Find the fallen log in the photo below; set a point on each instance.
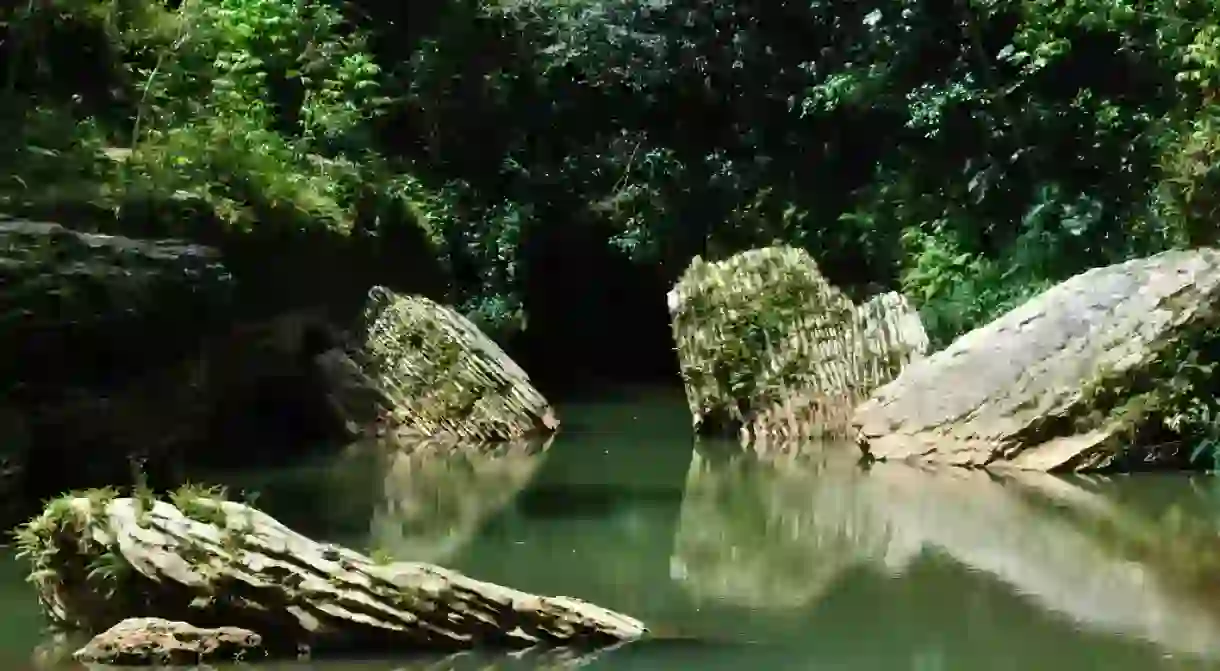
(97, 559)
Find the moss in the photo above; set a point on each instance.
(1170, 401)
(381, 557)
(59, 567)
(199, 503)
(728, 338)
(64, 558)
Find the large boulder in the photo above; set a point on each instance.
(95, 329)
(83, 308)
(416, 367)
(97, 559)
(768, 346)
(1087, 375)
(246, 394)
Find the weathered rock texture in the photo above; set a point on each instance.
(438, 494)
(422, 368)
(151, 641)
(247, 386)
(766, 344)
(79, 307)
(1074, 379)
(97, 560)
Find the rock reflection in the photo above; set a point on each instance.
(437, 494)
(555, 659)
(764, 536)
(780, 533)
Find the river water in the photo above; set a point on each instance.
(770, 563)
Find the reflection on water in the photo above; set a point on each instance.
(543, 660)
(761, 535)
(780, 534)
(772, 564)
(437, 493)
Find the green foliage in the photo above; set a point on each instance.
(199, 503)
(970, 153)
(217, 119)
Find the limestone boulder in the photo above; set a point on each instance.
(417, 367)
(769, 347)
(94, 330)
(97, 559)
(1084, 376)
(152, 641)
(84, 308)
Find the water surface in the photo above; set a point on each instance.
(771, 563)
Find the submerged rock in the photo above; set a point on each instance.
(767, 345)
(98, 559)
(1080, 377)
(421, 368)
(151, 641)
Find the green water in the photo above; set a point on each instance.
(818, 565)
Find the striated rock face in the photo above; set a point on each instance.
(1077, 378)
(421, 368)
(767, 345)
(97, 559)
(151, 641)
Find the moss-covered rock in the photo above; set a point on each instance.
(767, 344)
(98, 558)
(418, 367)
(1111, 368)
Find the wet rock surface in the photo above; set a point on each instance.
(150, 641)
